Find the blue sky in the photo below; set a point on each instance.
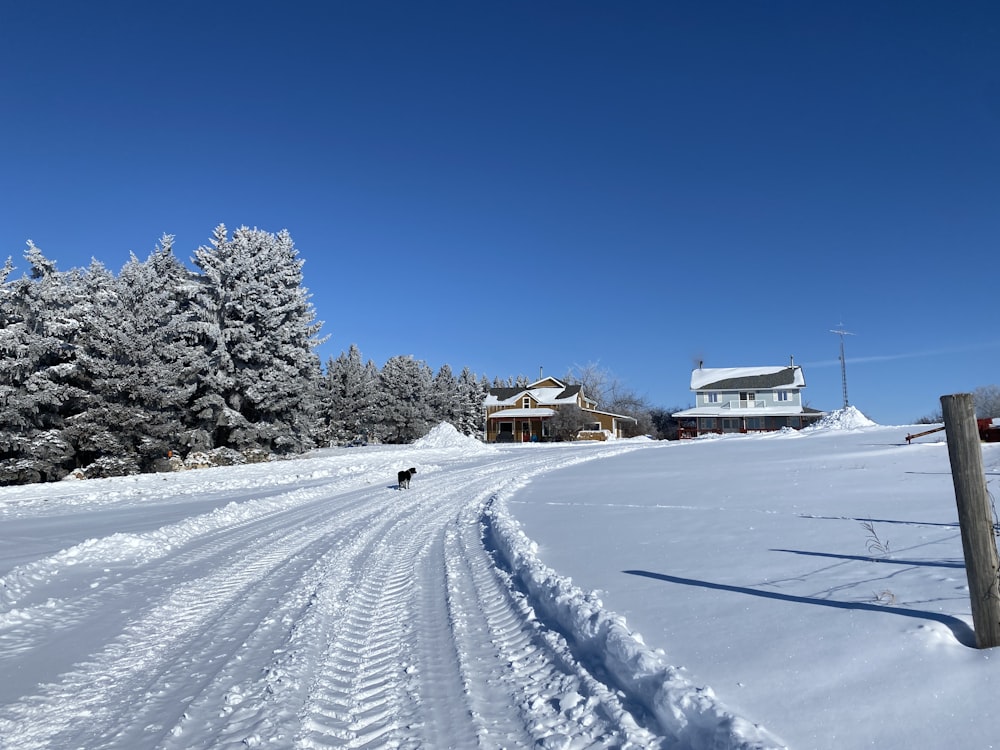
(509, 186)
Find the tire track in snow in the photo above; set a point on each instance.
(557, 700)
(184, 640)
(354, 700)
(335, 616)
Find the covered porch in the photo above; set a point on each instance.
(693, 425)
(518, 425)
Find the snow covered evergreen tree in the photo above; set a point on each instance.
(471, 393)
(404, 411)
(138, 364)
(350, 398)
(106, 421)
(255, 318)
(458, 401)
(367, 424)
(38, 370)
(443, 397)
(323, 429)
(173, 347)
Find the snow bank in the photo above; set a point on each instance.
(447, 437)
(692, 715)
(848, 418)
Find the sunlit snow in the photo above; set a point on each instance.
(797, 588)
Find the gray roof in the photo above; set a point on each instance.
(503, 394)
(753, 382)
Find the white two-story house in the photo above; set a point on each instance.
(746, 399)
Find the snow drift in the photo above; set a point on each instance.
(690, 714)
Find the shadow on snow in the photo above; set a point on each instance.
(962, 632)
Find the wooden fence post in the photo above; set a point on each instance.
(974, 515)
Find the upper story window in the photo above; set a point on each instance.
(711, 398)
(526, 402)
(781, 396)
(748, 396)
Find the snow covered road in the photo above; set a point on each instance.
(311, 604)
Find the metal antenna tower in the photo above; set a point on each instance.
(843, 360)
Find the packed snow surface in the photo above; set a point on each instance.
(801, 589)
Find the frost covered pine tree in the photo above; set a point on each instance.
(37, 371)
(403, 412)
(470, 397)
(348, 403)
(255, 318)
(444, 397)
(106, 425)
(367, 420)
(172, 347)
(139, 365)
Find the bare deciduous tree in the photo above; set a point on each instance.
(568, 421)
(985, 399)
(598, 384)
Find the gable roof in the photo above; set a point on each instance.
(548, 382)
(505, 394)
(747, 378)
(543, 395)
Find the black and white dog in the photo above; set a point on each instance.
(404, 478)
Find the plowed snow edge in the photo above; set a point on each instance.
(691, 715)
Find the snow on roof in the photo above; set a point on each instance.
(552, 395)
(508, 413)
(717, 377)
(562, 394)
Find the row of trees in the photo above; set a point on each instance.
(397, 404)
(116, 372)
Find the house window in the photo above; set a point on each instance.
(782, 395)
(526, 402)
(712, 398)
(594, 426)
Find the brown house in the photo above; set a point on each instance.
(525, 414)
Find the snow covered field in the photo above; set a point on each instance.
(801, 589)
